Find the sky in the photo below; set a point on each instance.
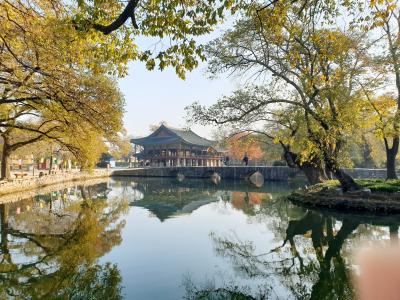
(155, 96)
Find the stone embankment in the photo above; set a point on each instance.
(228, 172)
(363, 200)
(33, 183)
(270, 173)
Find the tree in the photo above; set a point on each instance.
(315, 68)
(13, 140)
(244, 143)
(50, 86)
(367, 151)
(120, 147)
(103, 29)
(385, 22)
(81, 127)
(45, 28)
(383, 114)
(283, 126)
(175, 22)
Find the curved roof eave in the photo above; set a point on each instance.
(155, 141)
(186, 136)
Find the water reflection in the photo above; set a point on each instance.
(313, 261)
(163, 239)
(167, 198)
(50, 245)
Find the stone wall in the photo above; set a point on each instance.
(227, 172)
(367, 173)
(30, 183)
(237, 172)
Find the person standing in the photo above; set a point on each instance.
(246, 159)
(227, 161)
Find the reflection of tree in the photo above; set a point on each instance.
(333, 279)
(316, 272)
(248, 202)
(50, 250)
(209, 291)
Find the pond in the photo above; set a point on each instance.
(136, 238)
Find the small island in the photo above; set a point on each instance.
(375, 195)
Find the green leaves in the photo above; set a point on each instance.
(150, 64)
(55, 81)
(174, 23)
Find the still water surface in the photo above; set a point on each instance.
(160, 239)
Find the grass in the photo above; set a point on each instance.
(375, 185)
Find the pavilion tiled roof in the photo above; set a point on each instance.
(187, 136)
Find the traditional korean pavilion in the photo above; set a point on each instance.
(169, 146)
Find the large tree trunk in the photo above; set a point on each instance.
(4, 228)
(347, 182)
(312, 170)
(314, 174)
(5, 161)
(391, 154)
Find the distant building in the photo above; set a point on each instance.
(176, 147)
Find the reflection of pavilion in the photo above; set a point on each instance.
(166, 198)
(167, 203)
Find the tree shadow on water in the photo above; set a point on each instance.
(307, 265)
(50, 247)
